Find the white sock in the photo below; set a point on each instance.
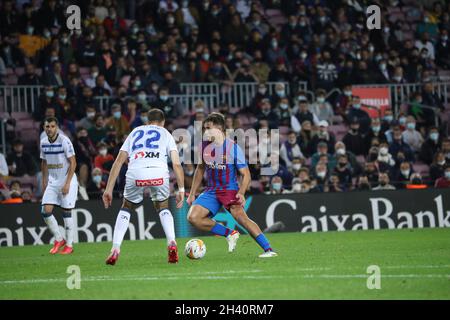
(53, 227)
(68, 225)
(122, 221)
(168, 225)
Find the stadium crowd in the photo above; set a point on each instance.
(139, 52)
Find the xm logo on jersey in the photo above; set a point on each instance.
(146, 154)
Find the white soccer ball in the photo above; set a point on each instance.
(195, 249)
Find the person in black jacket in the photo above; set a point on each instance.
(430, 146)
(20, 162)
(354, 140)
(438, 166)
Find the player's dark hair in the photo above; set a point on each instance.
(155, 115)
(52, 119)
(217, 119)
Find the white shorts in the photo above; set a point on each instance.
(53, 195)
(146, 178)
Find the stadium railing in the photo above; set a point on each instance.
(19, 98)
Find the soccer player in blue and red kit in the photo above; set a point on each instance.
(222, 159)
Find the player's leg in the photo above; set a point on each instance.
(67, 204)
(199, 215)
(49, 199)
(120, 228)
(253, 229)
(167, 222)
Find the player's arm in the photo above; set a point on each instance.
(113, 174)
(44, 169)
(179, 174)
(196, 182)
(246, 180)
(70, 173)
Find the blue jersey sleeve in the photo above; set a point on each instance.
(239, 157)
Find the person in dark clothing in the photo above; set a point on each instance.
(20, 162)
(432, 100)
(403, 175)
(303, 113)
(355, 111)
(430, 146)
(375, 131)
(344, 171)
(398, 145)
(438, 166)
(269, 114)
(323, 135)
(354, 141)
(164, 104)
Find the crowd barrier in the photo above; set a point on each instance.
(22, 224)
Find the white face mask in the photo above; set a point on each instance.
(103, 152)
(340, 151)
(321, 174)
(320, 99)
(383, 151)
(297, 187)
(405, 173)
(90, 115)
(296, 166)
(284, 106)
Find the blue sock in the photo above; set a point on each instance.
(263, 242)
(221, 230)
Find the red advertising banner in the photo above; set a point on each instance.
(374, 97)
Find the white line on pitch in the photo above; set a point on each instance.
(218, 277)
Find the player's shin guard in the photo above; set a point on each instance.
(263, 242)
(122, 221)
(68, 225)
(221, 230)
(168, 225)
(52, 224)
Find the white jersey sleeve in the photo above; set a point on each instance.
(171, 145)
(126, 145)
(68, 148)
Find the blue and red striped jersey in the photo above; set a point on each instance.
(222, 164)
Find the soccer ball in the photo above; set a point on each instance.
(195, 249)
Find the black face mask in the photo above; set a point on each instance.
(416, 181)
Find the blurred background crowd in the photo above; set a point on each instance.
(138, 53)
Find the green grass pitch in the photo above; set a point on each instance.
(414, 264)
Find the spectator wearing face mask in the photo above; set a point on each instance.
(89, 120)
(269, 114)
(96, 184)
(303, 113)
(321, 176)
(386, 121)
(403, 175)
(383, 182)
(323, 135)
(163, 103)
(118, 121)
(296, 186)
(322, 151)
(438, 166)
(140, 120)
(284, 112)
(354, 140)
(375, 131)
(103, 160)
(399, 146)
(355, 111)
(341, 150)
(290, 150)
(430, 146)
(444, 182)
(261, 94)
(411, 136)
(276, 186)
(343, 101)
(385, 159)
(344, 171)
(280, 93)
(321, 108)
